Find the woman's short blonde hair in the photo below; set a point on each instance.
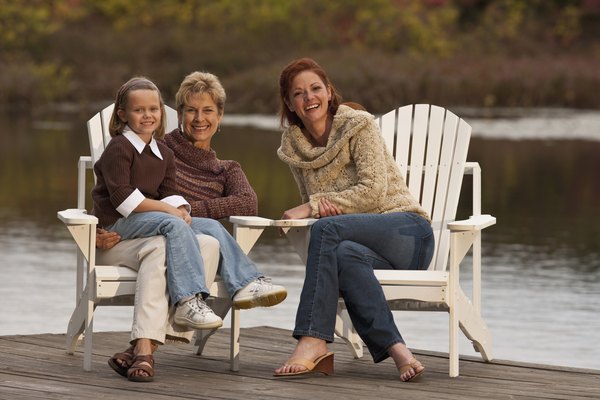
(200, 82)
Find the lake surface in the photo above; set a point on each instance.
(541, 276)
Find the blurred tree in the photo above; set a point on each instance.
(446, 50)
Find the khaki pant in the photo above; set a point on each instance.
(152, 316)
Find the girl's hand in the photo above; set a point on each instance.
(301, 211)
(328, 209)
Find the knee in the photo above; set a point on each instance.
(319, 225)
(322, 228)
(173, 225)
(152, 248)
(348, 253)
(428, 246)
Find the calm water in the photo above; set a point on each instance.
(541, 280)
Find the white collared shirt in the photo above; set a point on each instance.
(139, 144)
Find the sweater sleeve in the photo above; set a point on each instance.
(114, 169)
(369, 190)
(238, 197)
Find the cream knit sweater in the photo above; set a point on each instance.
(354, 170)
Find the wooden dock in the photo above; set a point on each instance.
(37, 367)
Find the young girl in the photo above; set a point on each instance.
(136, 196)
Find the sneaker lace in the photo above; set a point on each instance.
(200, 306)
(261, 283)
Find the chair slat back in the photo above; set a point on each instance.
(98, 133)
(430, 146)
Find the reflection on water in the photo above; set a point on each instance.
(542, 260)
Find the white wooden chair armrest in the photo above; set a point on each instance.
(474, 223)
(250, 221)
(76, 216)
(291, 223)
(86, 161)
(298, 232)
(247, 230)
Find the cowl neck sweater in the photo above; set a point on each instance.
(353, 170)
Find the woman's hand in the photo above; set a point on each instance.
(328, 209)
(185, 215)
(180, 212)
(301, 211)
(106, 240)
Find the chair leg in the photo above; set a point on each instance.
(453, 345)
(87, 336)
(82, 322)
(458, 248)
(221, 307)
(235, 339)
(474, 327)
(76, 324)
(202, 337)
(345, 330)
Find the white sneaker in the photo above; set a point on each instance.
(195, 313)
(259, 293)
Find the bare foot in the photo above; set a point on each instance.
(143, 347)
(308, 348)
(407, 364)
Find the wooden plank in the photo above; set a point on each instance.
(37, 367)
(387, 126)
(404, 128)
(417, 149)
(434, 144)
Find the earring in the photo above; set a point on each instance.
(219, 128)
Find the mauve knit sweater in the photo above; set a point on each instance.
(214, 188)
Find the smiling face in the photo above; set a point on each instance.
(309, 98)
(142, 113)
(200, 118)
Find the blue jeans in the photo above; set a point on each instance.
(343, 252)
(185, 268)
(235, 268)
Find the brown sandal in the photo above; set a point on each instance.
(142, 363)
(120, 362)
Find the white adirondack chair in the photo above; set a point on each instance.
(430, 147)
(115, 285)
